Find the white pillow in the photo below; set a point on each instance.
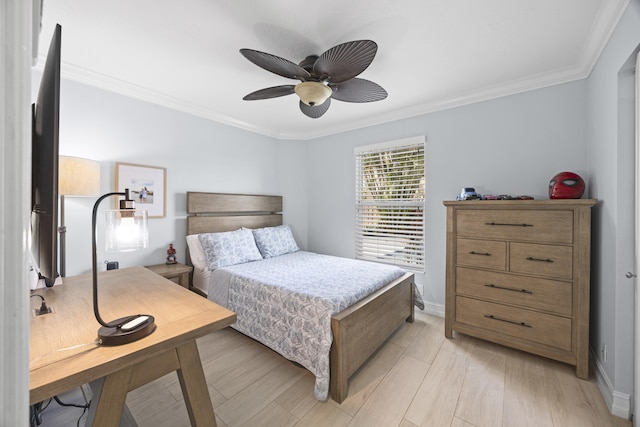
(196, 253)
(229, 248)
(275, 241)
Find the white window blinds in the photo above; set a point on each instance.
(390, 203)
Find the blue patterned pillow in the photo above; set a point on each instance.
(275, 241)
(229, 248)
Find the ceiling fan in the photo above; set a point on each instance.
(330, 75)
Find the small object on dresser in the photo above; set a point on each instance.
(468, 193)
(171, 255)
(508, 197)
(566, 185)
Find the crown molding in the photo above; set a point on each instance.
(599, 35)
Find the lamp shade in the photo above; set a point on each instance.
(126, 230)
(78, 177)
(313, 93)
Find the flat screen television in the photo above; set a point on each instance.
(44, 166)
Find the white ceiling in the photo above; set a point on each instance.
(432, 54)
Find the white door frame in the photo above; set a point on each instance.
(15, 166)
(636, 364)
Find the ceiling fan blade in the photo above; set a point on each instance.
(315, 111)
(358, 90)
(345, 61)
(270, 92)
(275, 64)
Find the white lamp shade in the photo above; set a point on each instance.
(313, 93)
(78, 177)
(126, 230)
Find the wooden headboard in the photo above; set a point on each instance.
(216, 212)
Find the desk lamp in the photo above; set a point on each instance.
(126, 230)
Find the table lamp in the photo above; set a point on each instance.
(76, 177)
(126, 230)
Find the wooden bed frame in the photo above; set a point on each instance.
(359, 330)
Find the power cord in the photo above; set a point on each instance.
(43, 307)
(36, 412)
(38, 408)
(84, 407)
(73, 405)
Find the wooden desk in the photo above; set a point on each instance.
(64, 353)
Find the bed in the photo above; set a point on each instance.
(353, 327)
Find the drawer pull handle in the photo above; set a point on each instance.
(498, 224)
(491, 316)
(504, 288)
(530, 258)
(479, 253)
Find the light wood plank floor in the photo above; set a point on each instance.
(418, 378)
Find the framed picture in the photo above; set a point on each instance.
(147, 187)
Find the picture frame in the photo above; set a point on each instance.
(147, 187)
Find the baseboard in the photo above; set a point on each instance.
(434, 309)
(618, 403)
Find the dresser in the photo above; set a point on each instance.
(518, 275)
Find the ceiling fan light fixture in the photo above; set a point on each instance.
(313, 93)
(339, 65)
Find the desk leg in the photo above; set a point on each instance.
(108, 401)
(127, 419)
(194, 386)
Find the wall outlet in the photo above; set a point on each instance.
(604, 353)
(112, 265)
(39, 312)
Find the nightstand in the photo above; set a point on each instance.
(178, 273)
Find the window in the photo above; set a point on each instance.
(390, 203)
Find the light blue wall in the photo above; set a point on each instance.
(199, 155)
(611, 159)
(512, 145)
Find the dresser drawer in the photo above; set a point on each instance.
(482, 253)
(533, 326)
(541, 294)
(536, 225)
(541, 260)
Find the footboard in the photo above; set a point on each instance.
(361, 329)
